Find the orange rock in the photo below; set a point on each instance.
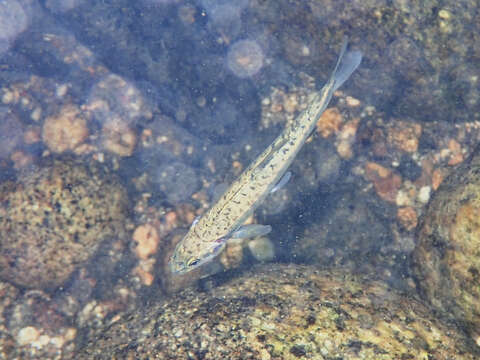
(237, 167)
(65, 130)
(146, 238)
(290, 103)
(32, 135)
(278, 97)
(437, 178)
(344, 149)
(454, 146)
(404, 136)
(349, 130)
(346, 138)
(171, 218)
(352, 102)
(145, 277)
(455, 159)
(84, 149)
(385, 181)
(330, 122)
(407, 216)
(375, 170)
(146, 136)
(21, 159)
(119, 138)
(455, 153)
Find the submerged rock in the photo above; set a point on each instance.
(53, 219)
(281, 312)
(447, 256)
(351, 233)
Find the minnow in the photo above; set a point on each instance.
(224, 220)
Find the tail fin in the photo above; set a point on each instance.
(347, 62)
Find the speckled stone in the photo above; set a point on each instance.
(53, 219)
(447, 256)
(280, 312)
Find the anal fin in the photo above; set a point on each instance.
(251, 231)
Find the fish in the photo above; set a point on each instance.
(225, 219)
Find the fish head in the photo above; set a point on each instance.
(192, 252)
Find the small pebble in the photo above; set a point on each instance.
(119, 138)
(407, 217)
(65, 130)
(146, 238)
(352, 102)
(330, 122)
(27, 335)
(262, 249)
(424, 194)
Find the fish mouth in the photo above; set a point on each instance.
(177, 267)
(205, 268)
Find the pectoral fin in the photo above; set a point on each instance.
(251, 231)
(283, 181)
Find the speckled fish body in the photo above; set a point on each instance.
(207, 236)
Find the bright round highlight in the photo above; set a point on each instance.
(245, 58)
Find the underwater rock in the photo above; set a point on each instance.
(350, 233)
(447, 257)
(53, 219)
(177, 181)
(280, 312)
(119, 138)
(10, 132)
(262, 249)
(66, 130)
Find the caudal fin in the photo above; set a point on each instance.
(347, 62)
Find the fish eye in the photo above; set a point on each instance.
(192, 262)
